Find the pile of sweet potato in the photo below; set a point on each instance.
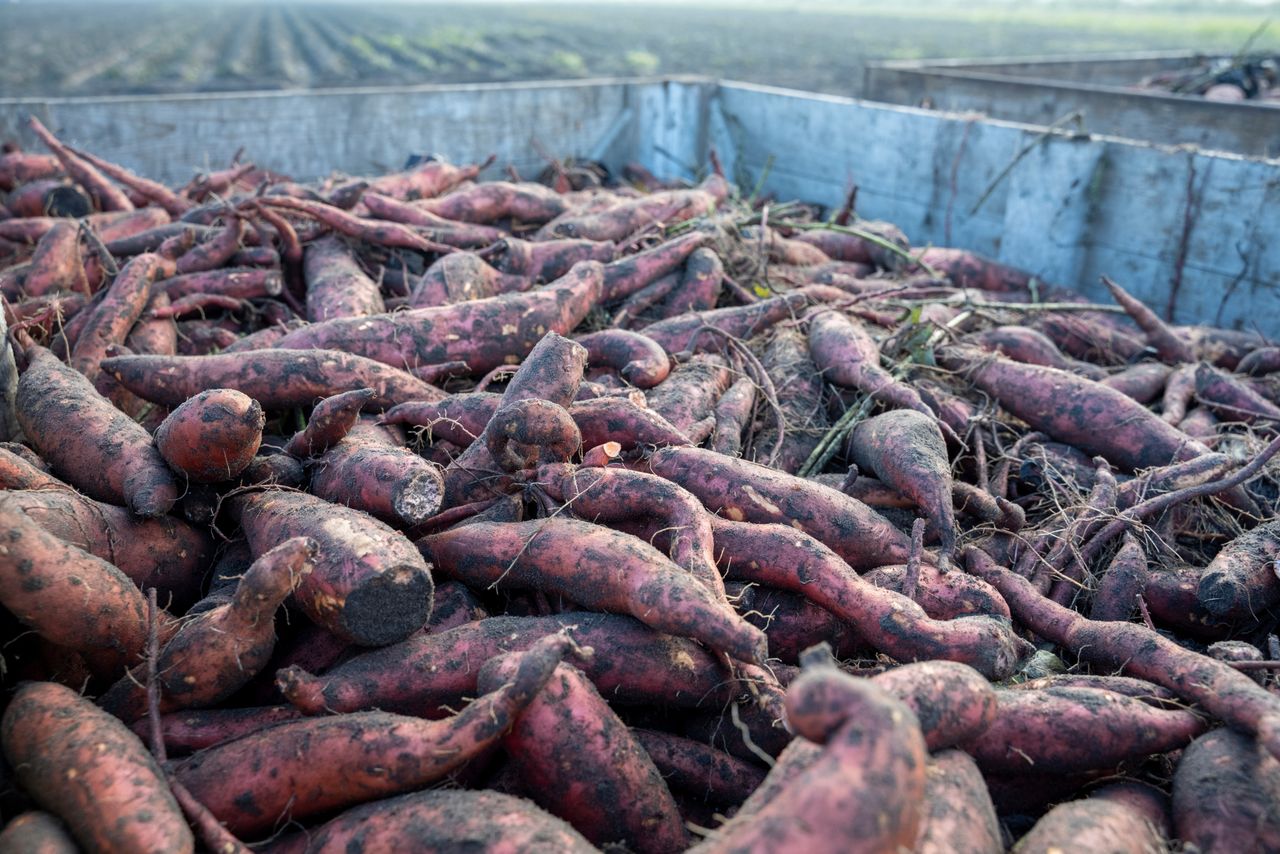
(413, 512)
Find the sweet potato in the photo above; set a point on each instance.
(793, 429)
(461, 277)
(551, 372)
(331, 420)
(1143, 382)
(624, 277)
(616, 494)
(239, 282)
(442, 820)
(483, 333)
(847, 355)
(1126, 818)
(195, 729)
(745, 491)
(432, 226)
(958, 814)
(21, 167)
(151, 191)
(211, 437)
(369, 585)
(778, 556)
(634, 310)
(699, 770)
(615, 794)
(733, 413)
(108, 456)
(380, 232)
(689, 394)
(426, 180)
(792, 622)
(1226, 794)
(1031, 347)
(57, 264)
(492, 201)
(1241, 583)
(336, 286)
(277, 379)
(547, 259)
(624, 421)
(36, 832)
(639, 360)
(216, 653)
(1095, 418)
(90, 770)
(318, 765)
(113, 317)
(457, 418)
(905, 450)
(1231, 399)
(107, 196)
(164, 553)
(1093, 729)
(863, 793)
(1079, 336)
(1116, 596)
(685, 332)
(1171, 348)
(596, 568)
(427, 673)
(366, 471)
(621, 220)
(18, 472)
(1218, 689)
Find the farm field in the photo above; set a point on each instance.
(101, 48)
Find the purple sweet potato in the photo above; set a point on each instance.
(36, 832)
(1125, 818)
(639, 360)
(460, 277)
(482, 333)
(744, 491)
(689, 394)
(427, 673)
(441, 820)
(1226, 794)
(597, 568)
(331, 420)
(1241, 582)
(365, 470)
(958, 814)
(107, 455)
(369, 586)
(317, 765)
(277, 379)
(336, 286)
(615, 793)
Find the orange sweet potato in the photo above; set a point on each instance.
(615, 793)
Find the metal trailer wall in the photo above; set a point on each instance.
(1190, 230)
(1099, 88)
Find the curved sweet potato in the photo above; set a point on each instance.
(278, 379)
(211, 437)
(331, 420)
(317, 765)
(863, 793)
(108, 455)
(744, 491)
(483, 333)
(547, 259)
(779, 556)
(597, 568)
(369, 586)
(848, 356)
(427, 673)
(85, 766)
(216, 653)
(639, 360)
(615, 794)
